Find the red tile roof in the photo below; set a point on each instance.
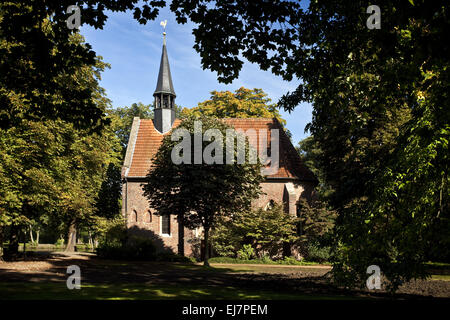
(149, 139)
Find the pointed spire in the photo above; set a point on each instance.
(164, 84)
(164, 112)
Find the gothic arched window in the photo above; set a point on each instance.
(134, 216)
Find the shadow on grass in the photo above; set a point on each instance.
(115, 279)
(138, 291)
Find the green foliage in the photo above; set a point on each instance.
(135, 249)
(263, 260)
(35, 51)
(246, 253)
(108, 203)
(51, 171)
(122, 119)
(317, 252)
(315, 221)
(289, 260)
(381, 114)
(116, 243)
(244, 103)
(310, 153)
(113, 232)
(169, 256)
(59, 244)
(264, 230)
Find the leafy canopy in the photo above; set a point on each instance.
(35, 49)
(380, 117)
(243, 103)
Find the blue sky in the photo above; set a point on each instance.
(134, 52)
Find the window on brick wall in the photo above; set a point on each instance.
(134, 216)
(165, 224)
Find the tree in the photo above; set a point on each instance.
(265, 230)
(310, 153)
(52, 171)
(36, 49)
(380, 110)
(200, 193)
(122, 119)
(108, 199)
(244, 103)
(84, 171)
(315, 225)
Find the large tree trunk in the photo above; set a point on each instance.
(91, 243)
(31, 234)
(24, 238)
(71, 238)
(206, 262)
(37, 237)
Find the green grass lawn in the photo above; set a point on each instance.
(139, 291)
(165, 286)
(258, 268)
(286, 262)
(443, 277)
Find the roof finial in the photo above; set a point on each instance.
(164, 23)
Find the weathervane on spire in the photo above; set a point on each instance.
(164, 23)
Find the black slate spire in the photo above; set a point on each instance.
(164, 84)
(164, 112)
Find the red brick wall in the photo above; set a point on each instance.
(134, 200)
(275, 190)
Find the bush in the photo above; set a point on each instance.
(289, 260)
(59, 243)
(264, 260)
(239, 261)
(135, 249)
(266, 230)
(318, 253)
(246, 253)
(115, 233)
